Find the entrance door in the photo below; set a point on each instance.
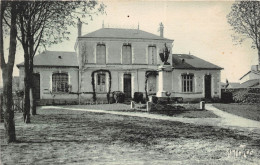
(207, 82)
(127, 85)
(36, 86)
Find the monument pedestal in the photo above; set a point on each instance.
(165, 81)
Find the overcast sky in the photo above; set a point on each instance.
(200, 28)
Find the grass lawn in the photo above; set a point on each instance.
(187, 111)
(75, 137)
(244, 110)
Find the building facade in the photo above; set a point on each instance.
(127, 60)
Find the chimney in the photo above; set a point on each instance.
(79, 27)
(254, 68)
(161, 29)
(103, 25)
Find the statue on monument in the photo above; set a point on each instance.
(165, 55)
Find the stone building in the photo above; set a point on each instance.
(127, 60)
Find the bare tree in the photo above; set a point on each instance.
(41, 24)
(7, 68)
(245, 20)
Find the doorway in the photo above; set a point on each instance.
(36, 86)
(127, 85)
(207, 87)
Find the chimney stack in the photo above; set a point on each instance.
(161, 29)
(254, 68)
(79, 27)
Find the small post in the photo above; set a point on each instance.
(148, 106)
(202, 105)
(132, 105)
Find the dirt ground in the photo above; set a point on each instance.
(75, 137)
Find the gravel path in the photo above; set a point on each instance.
(226, 120)
(229, 119)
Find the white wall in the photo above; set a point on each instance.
(46, 81)
(198, 83)
(87, 49)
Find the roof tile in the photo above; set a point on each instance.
(55, 58)
(185, 61)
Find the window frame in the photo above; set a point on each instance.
(101, 82)
(153, 60)
(100, 45)
(123, 54)
(64, 82)
(187, 83)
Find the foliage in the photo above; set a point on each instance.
(44, 23)
(138, 97)
(118, 96)
(241, 95)
(93, 84)
(147, 74)
(245, 21)
(154, 99)
(19, 93)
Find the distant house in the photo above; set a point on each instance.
(234, 85)
(251, 79)
(124, 60)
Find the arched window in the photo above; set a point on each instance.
(187, 82)
(60, 82)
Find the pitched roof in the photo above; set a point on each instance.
(185, 61)
(123, 33)
(55, 58)
(251, 71)
(234, 85)
(251, 83)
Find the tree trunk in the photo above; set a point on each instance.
(259, 57)
(7, 73)
(26, 111)
(7, 107)
(32, 96)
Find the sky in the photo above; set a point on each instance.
(198, 28)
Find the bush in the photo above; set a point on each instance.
(154, 99)
(19, 93)
(227, 97)
(138, 97)
(118, 96)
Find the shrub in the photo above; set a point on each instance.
(118, 96)
(19, 93)
(227, 97)
(154, 99)
(138, 97)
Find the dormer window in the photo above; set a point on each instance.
(101, 53)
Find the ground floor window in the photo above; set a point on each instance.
(101, 82)
(60, 82)
(187, 82)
